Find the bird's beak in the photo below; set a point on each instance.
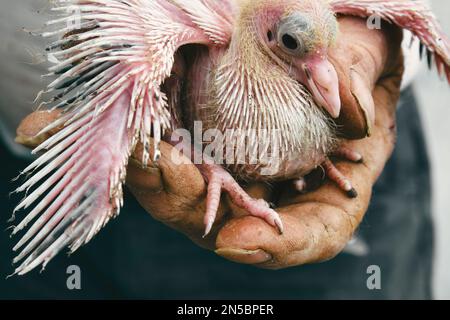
(321, 78)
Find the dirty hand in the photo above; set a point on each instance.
(318, 224)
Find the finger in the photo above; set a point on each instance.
(319, 235)
(173, 191)
(361, 56)
(144, 181)
(26, 133)
(173, 178)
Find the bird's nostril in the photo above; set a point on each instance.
(269, 36)
(289, 42)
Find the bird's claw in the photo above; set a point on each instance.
(334, 174)
(219, 179)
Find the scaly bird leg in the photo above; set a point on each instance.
(219, 179)
(334, 174)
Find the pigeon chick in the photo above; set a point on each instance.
(128, 71)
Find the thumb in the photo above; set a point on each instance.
(361, 57)
(358, 108)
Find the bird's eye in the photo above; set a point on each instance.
(292, 34)
(289, 42)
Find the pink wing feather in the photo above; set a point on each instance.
(109, 68)
(413, 15)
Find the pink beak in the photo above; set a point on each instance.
(321, 78)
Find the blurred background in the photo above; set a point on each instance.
(434, 96)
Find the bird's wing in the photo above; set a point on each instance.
(214, 17)
(109, 66)
(413, 15)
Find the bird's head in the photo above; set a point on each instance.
(267, 77)
(296, 36)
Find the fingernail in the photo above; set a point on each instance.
(244, 256)
(363, 97)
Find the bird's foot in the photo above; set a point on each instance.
(219, 179)
(334, 174)
(337, 177)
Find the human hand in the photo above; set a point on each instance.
(318, 224)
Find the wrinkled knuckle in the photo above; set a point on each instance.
(172, 214)
(144, 181)
(337, 232)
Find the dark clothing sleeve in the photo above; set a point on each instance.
(137, 257)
